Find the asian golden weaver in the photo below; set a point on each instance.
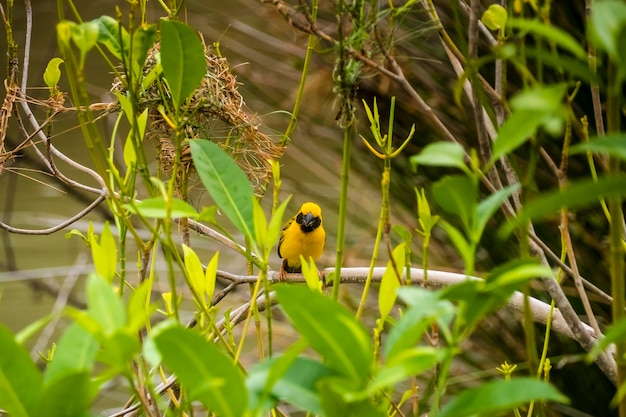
(302, 235)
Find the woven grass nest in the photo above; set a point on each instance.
(214, 112)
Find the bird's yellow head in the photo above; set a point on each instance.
(309, 217)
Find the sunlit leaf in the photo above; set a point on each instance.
(104, 253)
(207, 374)
(52, 75)
(20, 380)
(226, 183)
(193, 266)
(391, 281)
(182, 58)
(442, 154)
(143, 40)
(157, 208)
(499, 396)
(139, 309)
(330, 329)
(85, 36)
(494, 17)
(130, 155)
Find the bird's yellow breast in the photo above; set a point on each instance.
(296, 243)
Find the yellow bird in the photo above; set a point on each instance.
(302, 235)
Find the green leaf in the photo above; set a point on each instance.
(130, 155)
(52, 75)
(330, 329)
(85, 36)
(69, 396)
(296, 386)
(204, 371)
(442, 154)
(408, 363)
(226, 183)
(210, 276)
(391, 281)
(457, 195)
(613, 145)
(334, 402)
(75, 353)
(500, 396)
(105, 306)
(607, 24)
(276, 223)
(113, 35)
(182, 58)
(104, 253)
(425, 307)
(118, 349)
(488, 207)
(157, 208)
(20, 380)
(551, 34)
(139, 309)
(465, 247)
(143, 40)
(514, 273)
(495, 17)
(577, 195)
(616, 332)
(193, 266)
(532, 108)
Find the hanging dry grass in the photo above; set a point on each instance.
(216, 111)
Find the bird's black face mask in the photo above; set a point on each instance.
(307, 222)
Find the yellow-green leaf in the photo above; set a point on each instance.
(391, 281)
(52, 75)
(104, 253)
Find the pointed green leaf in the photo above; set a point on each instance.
(104, 253)
(457, 195)
(425, 307)
(577, 195)
(113, 35)
(139, 309)
(296, 386)
(75, 353)
(613, 145)
(207, 374)
(143, 40)
(442, 154)
(20, 380)
(532, 108)
(105, 306)
(330, 329)
(193, 266)
(607, 24)
(514, 273)
(408, 363)
(552, 34)
(157, 208)
(487, 207)
(391, 281)
(69, 396)
(182, 58)
(500, 396)
(226, 183)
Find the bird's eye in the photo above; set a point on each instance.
(299, 218)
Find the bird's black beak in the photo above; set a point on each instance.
(308, 221)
